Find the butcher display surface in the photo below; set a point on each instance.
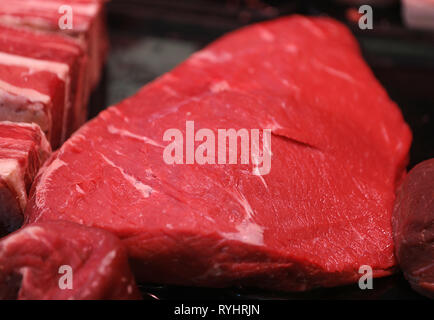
(81, 20)
(339, 148)
(43, 79)
(61, 260)
(23, 149)
(413, 226)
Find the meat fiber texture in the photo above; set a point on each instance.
(61, 260)
(23, 149)
(339, 147)
(43, 80)
(88, 25)
(413, 227)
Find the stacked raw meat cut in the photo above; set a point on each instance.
(47, 73)
(88, 24)
(46, 76)
(339, 148)
(41, 81)
(23, 149)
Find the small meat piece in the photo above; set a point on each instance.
(413, 228)
(37, 262)
(23, 149)
(418, 14)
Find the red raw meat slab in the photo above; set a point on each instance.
(339, 149)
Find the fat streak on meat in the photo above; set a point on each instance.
(23, 149)
(60, 260)
(339, 148)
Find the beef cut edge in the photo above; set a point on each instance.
(339, 149)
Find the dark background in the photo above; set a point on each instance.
(150, 37)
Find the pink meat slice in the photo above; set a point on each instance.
(23, 149)
(33, 96)
(88, 25)
(38, 261)
(339, 148)
(16, 43)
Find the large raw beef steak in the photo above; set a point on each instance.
(323, 209)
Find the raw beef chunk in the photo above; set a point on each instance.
(42, 80)
(88, 24)
(33, 48)
(31, 93)
(23, 149)
(60, 260)
(339, 146)
(413, 227)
